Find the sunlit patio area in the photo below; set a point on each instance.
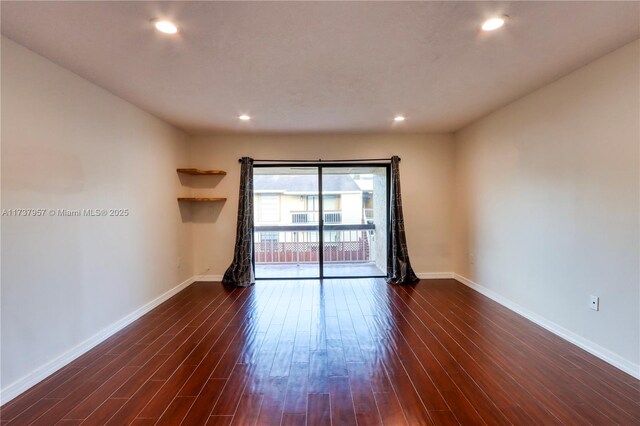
(311, 270)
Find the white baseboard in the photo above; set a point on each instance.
(19, 386)
(589, 346)
(434, 275)
(216, 278)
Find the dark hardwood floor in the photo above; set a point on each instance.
(341, 353)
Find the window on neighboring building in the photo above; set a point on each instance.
(330, 202)
(312, 203)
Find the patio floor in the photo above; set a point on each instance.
(311, 270)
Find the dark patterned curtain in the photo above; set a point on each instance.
(240, 273)
(399, 269)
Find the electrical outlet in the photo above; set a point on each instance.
(472, 258)
(595, 303)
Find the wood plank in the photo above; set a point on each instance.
(342, 410)
(201, 172)
(319, 409)
(202, 199)
(176, 411)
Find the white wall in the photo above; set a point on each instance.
(68, 144)
(547, 203)
(426, 171)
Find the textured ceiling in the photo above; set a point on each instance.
(320, 66)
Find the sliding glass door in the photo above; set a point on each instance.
(286, 226)
(320, 221)
(354, 218)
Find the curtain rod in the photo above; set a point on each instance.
(320, 160)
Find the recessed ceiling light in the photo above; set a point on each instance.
(494, 23)
(244, 117)
(165, 26)
(399, 118)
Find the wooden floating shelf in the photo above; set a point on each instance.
(201, 172)
(202, 199)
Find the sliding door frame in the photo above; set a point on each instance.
(320, 166)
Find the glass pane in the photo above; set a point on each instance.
(354, 212)
(286, 239)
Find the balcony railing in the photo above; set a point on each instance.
(303, 216)
(299, 244)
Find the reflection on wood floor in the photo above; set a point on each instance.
(344, 352)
